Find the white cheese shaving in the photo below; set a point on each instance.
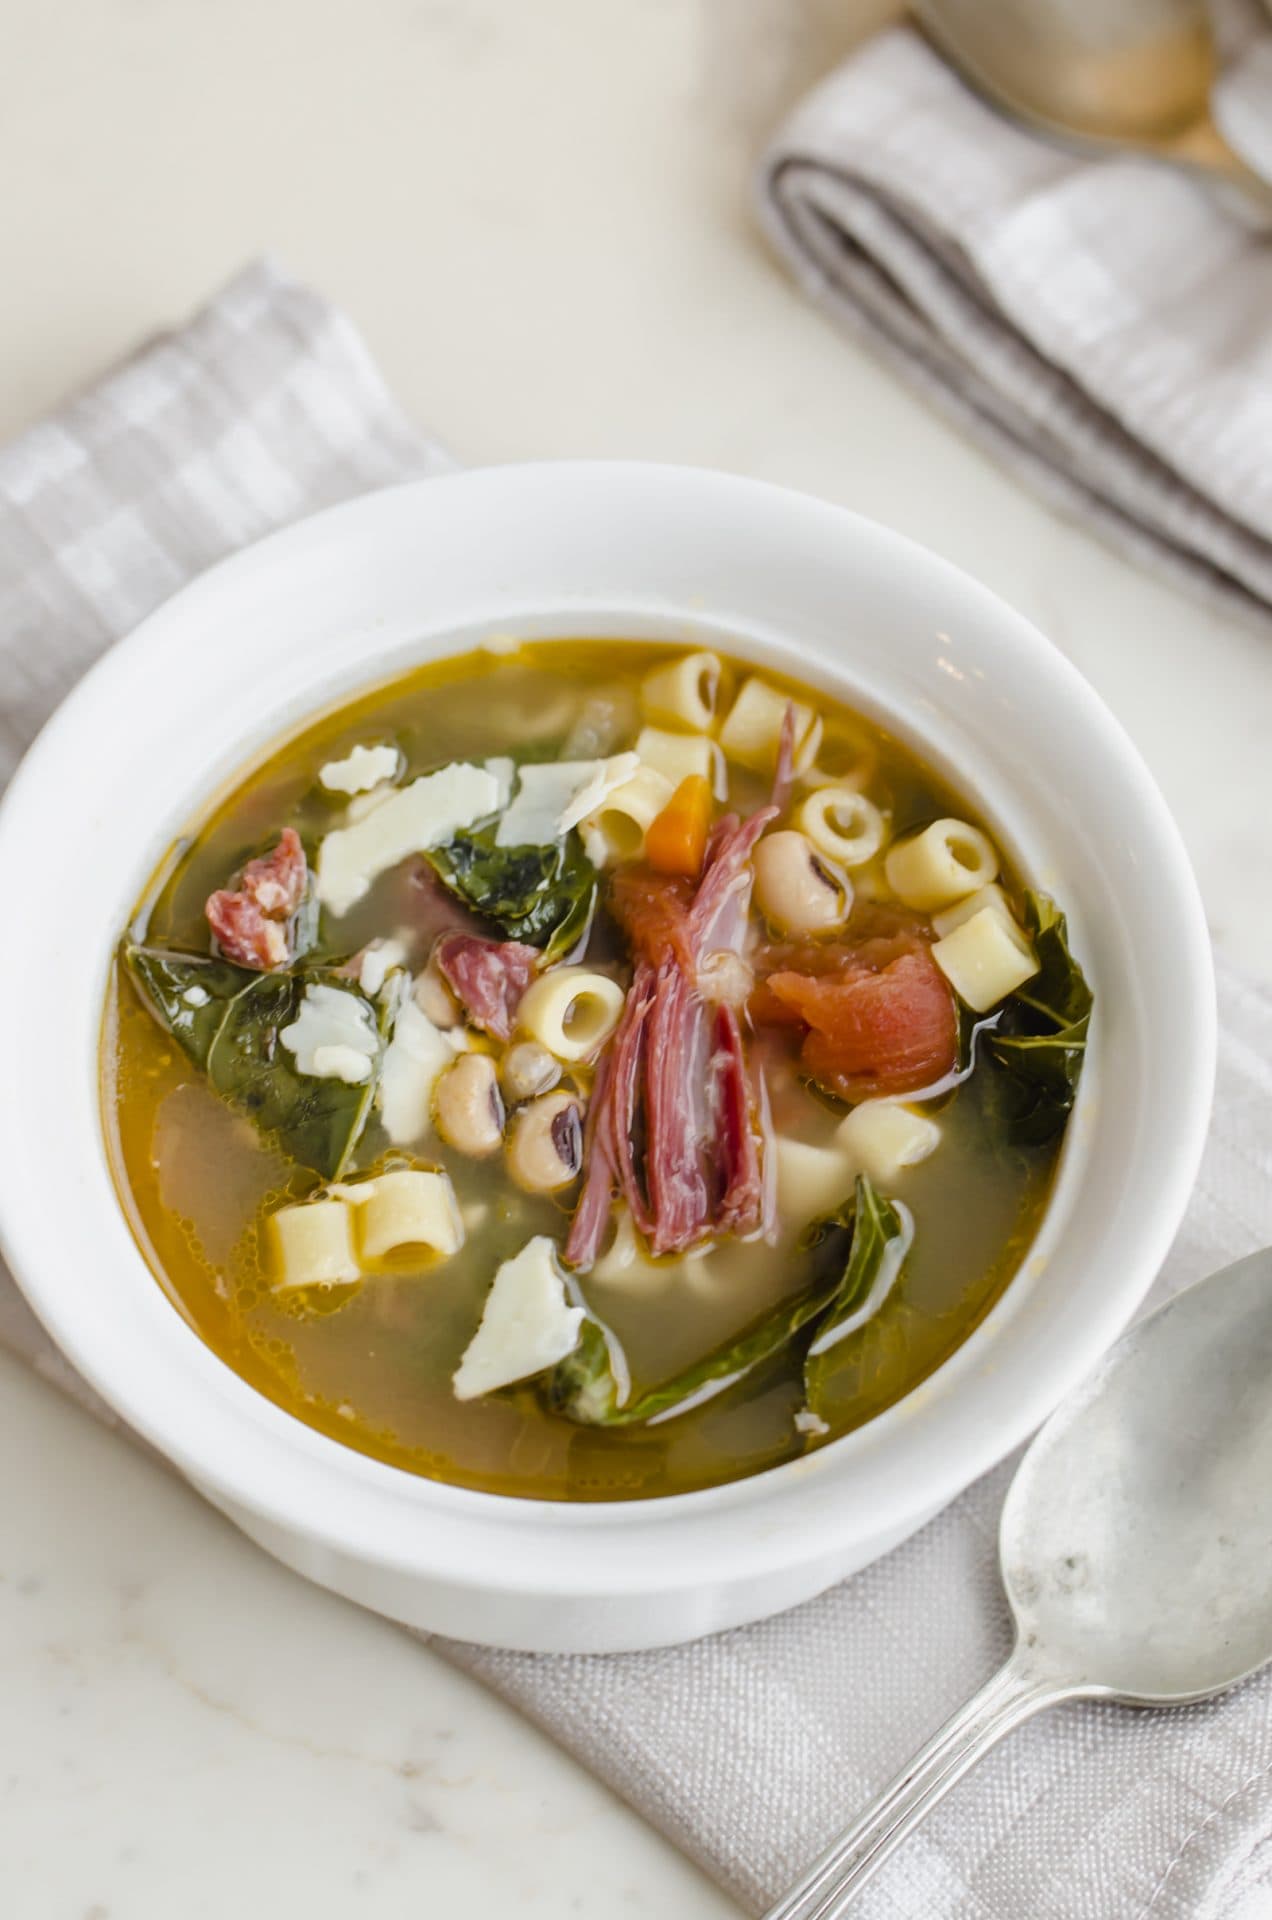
(554, 796)
(341, 1063)
(806, 1421)
(432, 809)
(414, 1061)
(195, 996)
(333, 1036)
(505, 771)
(527, 1323)
(378, 962)
(363, 768)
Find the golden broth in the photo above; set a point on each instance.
(371, 1364)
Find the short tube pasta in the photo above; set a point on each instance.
(311, 1245)
(409, 1207)
(617, 829)
(842, 824)
(846, 757)
(991, 897)
(571, 1011)
(810, 1180)
(940, 865)
(752, 733)
(685, 693)
(881, 1138)
(985, 959)
(678, 755)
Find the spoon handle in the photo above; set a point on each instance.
(1017, 1691)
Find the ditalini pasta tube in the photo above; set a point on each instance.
(985, 959)
(882, 1138)
(991, 897)
(617, 829)
(311, 1245)
(685, 692)
(842, 824)
(944, 863)
(410, 1207)
(571, 1011)
(678, 755)
(752, 733)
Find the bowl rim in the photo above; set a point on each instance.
(478, 1524)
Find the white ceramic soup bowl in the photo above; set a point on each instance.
(367, 590)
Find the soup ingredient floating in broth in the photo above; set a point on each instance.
(711, 1084)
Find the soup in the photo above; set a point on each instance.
(589, 1071)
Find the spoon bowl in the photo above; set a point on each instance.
(1130, 75)
(1136, 1540)
(1136, 1545)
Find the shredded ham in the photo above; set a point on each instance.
(488, 977)
(673, 1119)
(784, 773)
(253, 921)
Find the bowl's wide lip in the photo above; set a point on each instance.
(294, 1477)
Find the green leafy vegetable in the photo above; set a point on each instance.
(866, 1243)
(228, 1020)
(584, 1386)
(543, 896)
(1040, 1043)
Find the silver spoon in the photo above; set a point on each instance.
(1136, 1549)
(1124, 74)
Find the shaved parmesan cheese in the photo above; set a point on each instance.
(196, 996)
(378, 962)
(526, 1326)
(414, 1060)
(555, 796)
(432, 809)
(360, 770)
(341, 1063)
(333, 1036)
(505, 771)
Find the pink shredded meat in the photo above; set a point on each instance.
(674, 1123)
(253, 921)
(488, 977)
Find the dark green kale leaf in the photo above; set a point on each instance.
(228, 1020)
(865, 1244)
(1040, 1041)
(543, 896)
(862, 1246)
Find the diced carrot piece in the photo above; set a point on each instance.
(677, 839)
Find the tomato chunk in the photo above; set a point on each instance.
(871, 1031)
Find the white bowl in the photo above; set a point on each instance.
(368, 589)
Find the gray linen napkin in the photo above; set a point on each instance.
(1102, 325)
(751, 1748)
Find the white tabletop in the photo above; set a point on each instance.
(539, 216)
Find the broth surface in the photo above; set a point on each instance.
(371, 1364)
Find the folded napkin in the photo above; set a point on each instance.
(1102, 325)
(749, 1749)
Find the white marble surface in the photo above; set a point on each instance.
(539, 215)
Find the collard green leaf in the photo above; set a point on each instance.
(1040, 1043)
(867, 1240)
(233, 1035)
(543, 896)
(584, 1387)
(188, 993)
